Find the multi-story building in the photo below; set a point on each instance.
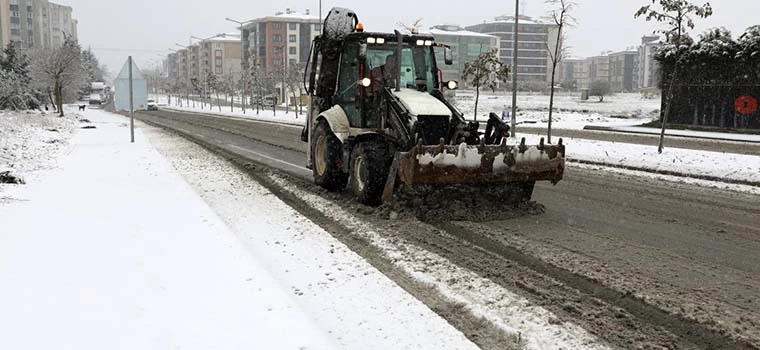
(5, 22)
(171, 66)
(61, 24)
(572, 71)
(465, 47)
(534, 37)
(284, 39)
(624, 71)
(35, 23)
(221, 55)
(648, 66)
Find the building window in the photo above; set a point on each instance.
(292, 26)
(292, 62)
(292, 50)
(292, 38)
(218, 54)
(317, 27)
(218, 70)
(276, 61)
(15, 14)
(277, 38)
(277, 25)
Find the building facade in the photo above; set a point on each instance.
(624, 71)
(5, 22)
(465, 47)
(535, 36)
(274, 42)
(648, 66)
(220, 56)
(35, 23)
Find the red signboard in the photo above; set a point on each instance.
(746, 105)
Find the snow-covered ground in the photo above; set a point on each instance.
(688, 133)
(570, 111)
(683, 161)
(113, 249)
(30, 140)
(278, 116)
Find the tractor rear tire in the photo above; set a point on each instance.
(370, 164)
(327, 159)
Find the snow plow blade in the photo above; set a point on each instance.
(484, 164)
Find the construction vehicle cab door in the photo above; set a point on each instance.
(348, 92)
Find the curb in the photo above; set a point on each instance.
(668, 172)
(612, 129)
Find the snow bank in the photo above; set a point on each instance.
(279, 116)
(30, 140)
(685, 161)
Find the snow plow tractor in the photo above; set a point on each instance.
(378, 120)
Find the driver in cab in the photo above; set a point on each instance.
(386, 74)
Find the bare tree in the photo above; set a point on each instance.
(487, 71)
(62, 69)
(411, 29)
(562, 18)
(677, 16)
(294, 80)
(599, 88)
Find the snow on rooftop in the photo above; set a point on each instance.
(226, 37)
(295, 15)
(523, 19)
(460, 32)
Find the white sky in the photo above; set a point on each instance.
(147, 28)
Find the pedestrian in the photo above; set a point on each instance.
(505, 116)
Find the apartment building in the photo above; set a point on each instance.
(35, 23)
(533, 59)
(465, 47)
(648, 66)
(220, 55)
(624, 70)
(280, 40)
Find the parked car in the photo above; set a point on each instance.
(152, 105)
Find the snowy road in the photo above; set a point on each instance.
(685, 253)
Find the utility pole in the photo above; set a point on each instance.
(243, 72)
(284, 71)
(514, 68)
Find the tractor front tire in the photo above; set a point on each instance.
(370, 164)
(327, 159)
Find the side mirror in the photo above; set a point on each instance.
(448, 58)
(363, 52)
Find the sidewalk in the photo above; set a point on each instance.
(115, 250)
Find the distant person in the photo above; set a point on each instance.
(505, 116)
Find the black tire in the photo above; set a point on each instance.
(327, 159)
(525, 190)
(370, 164)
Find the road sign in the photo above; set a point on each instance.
(746, 105)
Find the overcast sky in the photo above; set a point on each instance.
(146, 29)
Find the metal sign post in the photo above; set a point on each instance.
(131, 104)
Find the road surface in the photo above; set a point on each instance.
(679, 262)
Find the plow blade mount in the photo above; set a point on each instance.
(483, 164)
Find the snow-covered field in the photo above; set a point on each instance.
(114, 249)
(683, 161)
(30, 140)
(570, 112)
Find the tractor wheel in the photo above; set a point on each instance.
(370, 164)
(525, 190)
(327, 159)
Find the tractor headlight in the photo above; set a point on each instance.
(420, 42)
(381, 41)
(428, 43)
(452, 85)
(366, 82)
(371, 40)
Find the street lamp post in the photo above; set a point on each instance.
(514, 68)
